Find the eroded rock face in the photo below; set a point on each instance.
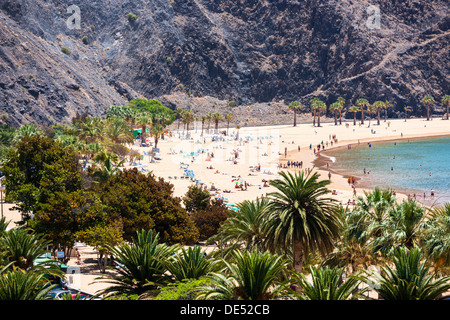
(259, 53)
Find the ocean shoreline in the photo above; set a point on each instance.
(361, 180)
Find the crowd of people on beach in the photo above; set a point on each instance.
(291, 165)
(423, 197)
(295, 164)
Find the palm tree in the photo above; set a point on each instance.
(163, 118)
(22, 248)
(362, 103)
(437, 237)
(228, 118)
(209, 118)
(352, 251)
(428, 100)
(378, 106)
(250, 275)
(178, 116)
(142, 268)
(404, 226)
(341, 102)
(26, 130)
(295, 106)
(144, 119)
(326, 284)
(407, 109)
(188, 117)
(118, 130)
(90, 130)
(110, 165)
(216, 117)
(370, 110)
(190, 263)
(245, 229)
(334, 108)
(354, 109)
(94, 148)
(72, 142)
(370, 212)
(321, 107)
(409, 278)
(157, 131)
(446, 100)
(23, 285)
(124, 112)
(313, 103)
(302, 219)
(387, 104)
(203, 120)
(115, 111)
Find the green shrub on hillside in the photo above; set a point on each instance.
(66, 51)
(132, 17)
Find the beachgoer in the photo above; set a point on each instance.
(78, 256)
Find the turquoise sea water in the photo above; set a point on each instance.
(410, 166)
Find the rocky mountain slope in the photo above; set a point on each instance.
(202, 53)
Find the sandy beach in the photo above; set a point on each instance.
(249, 157)
(269, 147)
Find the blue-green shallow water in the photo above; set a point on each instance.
(410, 166)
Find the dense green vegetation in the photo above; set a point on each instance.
(296, 243)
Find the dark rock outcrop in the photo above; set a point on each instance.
(258, 53)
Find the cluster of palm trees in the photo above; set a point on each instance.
(187, 116)
(429, 100)
(318, 108)
(362, 105)
(154, 120)
(85, 136)
(20, 277)
(296, 243)
(104, 141)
